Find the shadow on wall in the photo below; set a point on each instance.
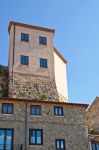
(3, 81)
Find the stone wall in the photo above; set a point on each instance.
(27, 86)
(71, 126)
(15, 122)
(93, 117)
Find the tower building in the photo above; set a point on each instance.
(36, 68)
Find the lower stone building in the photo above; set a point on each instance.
(42, 125)
(93, 124)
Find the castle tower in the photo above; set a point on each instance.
(36, 68)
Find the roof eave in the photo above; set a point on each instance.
(29, 26)
(50, 102)
(60, 55)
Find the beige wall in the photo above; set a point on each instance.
(60, 76)
(34, 50)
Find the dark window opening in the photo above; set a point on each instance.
(95, 146)
(24, 60)
(35, 110)
(60, 144)
(7, 108)
(43, 63)
(6, 139)
(58, 111)
(24, 37)
(43, 40)
(35, 137)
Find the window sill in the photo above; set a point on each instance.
(25, 41)
(24, 65)
(35, 144)
(35, 115)
(59, 116)
(43, 45)
(43, 67)
(6, 114)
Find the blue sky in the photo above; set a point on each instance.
(77, 37)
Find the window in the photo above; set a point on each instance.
(24, 37)
(24, 60)
(6, 139)
(58, 111)
(43, 63)
(7, 108)
(95, 146)
(60, 144)
(36, 137)
(42, 40)
(35, 110)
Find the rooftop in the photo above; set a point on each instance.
(46, 102)
(29, 26)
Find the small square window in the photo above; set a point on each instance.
(58, 111)
(43, 40)
(7, 108)
(60, 144)
(36, 137)
(35, 110)
(43, 63)
(24, 60)
(24, 37)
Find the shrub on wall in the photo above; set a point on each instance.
(3, 81)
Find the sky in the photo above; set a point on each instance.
(77, 38)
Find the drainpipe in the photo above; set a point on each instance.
(13, 44)
(26, 129)
(13, 53)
